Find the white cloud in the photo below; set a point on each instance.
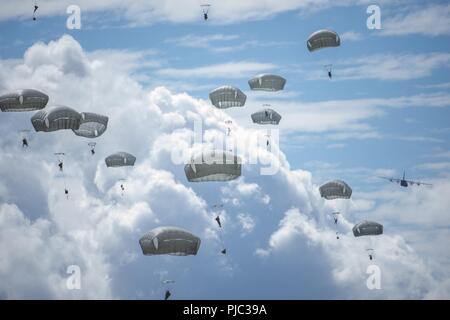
(351, 36)
(204, 42)
(246, 222)
(433, 20)
(391, 66)
(229, 70)
(435, 166)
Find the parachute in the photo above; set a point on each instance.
(216, 165)
(367, 228)
(266, 116)
(227, 97)
(56, 118)
(323, 39)
(120, 159)
(169, 240)
(336, 189)
(92, 125)
(267, 82)
(23, 100)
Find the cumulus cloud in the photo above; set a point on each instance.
(280, 217)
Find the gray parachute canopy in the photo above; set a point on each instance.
(92, 125)
(120, 159)
(336, 189)
(214, 165)
(227, 97)
(267, 82)
(367, 228)
(56, 118)
(266, 116)
(169, 240)
(323, 39)
(23, 100)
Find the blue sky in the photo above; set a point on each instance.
(386, 110)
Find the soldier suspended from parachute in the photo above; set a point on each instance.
(322, 39)
(205, 8)
(219, 208)
(367, 228)
(92, 145)
(36, 7)
(120, 159)
(24, 138)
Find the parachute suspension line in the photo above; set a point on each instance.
(60, 156)
(219, 208)
(36, 7)
(335, 215)
(224, 250)
(370, 250)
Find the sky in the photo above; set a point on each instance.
(149, 66)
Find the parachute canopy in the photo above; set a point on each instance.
(169, 240)
(227, 96)
(216, 165)
(266, 116)
(323, 39)
(267, 82)
(120, 159)
(23, 100)
(92, 125)
(56, 118)
(336, 189)
(367, 228)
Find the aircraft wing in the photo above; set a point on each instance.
(391, 179)
(418, 183)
